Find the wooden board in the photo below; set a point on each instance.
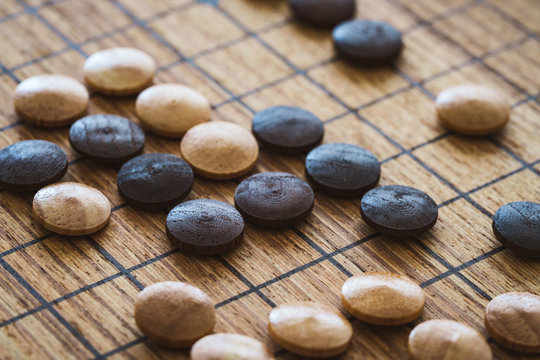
(73, 298)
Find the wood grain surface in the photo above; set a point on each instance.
(73, 298)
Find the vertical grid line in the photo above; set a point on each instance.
(35, 12)
(72, 330)
(408, 152)
(320, 250)
(474, 58)
(115, 263)
(212, 80)
(243, 279)
(144, 25)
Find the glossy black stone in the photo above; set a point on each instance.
(287, 129)
(106, 138)
(205, 226)
(517, 226)
(31, 164)
(399, 211)
(323, 13)
(367, 42)
(155, 181)
(274, 199)
(342, 169)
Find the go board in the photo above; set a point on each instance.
(73, 297)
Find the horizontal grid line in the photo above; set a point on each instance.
(320, 250)
(310, 264)
(410, 81)
(294, 68)
(47, 23)
(454, 269)
(111, 259)
(510, 18)
(46, 236)
(165, 43)
(245, 281)
(337, 99)
(26, 285)
(131, 25)
(465, 196)
(253, 288)
(494, 71)
(140, 340)
(262, 87)
(27, 9)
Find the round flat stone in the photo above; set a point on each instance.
(342, 169)
(367, 42)
(513, 320)
(50, 100)
(287, 129)
(155, 181)
(219, 150)
(106, 138)
(448, 340)
(229, 346)
(119, 71)
(274, 199)
(310, 329)
(517, 226)
(171, 109)
(69, 208)
(323, 13)
(399, 211)
(472, 109)
(205, 226)
(31, 164)
(383, 298)
(174, 313)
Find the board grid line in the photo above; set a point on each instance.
(408, 79)
(323, 257)
(300, 72)
(26, 285)
(237, 98)
(10, 72)
(529, 166)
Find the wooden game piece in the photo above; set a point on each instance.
(473, 109)
(70, 208)
(323, 13)
(449, 340)
(155, 181)
(50, 100)
(310, 329)
(513, 320)
(399, 211)
(517, 226)
(106, 138)
(229, 346)
(383, 298)
(219, 150)
(171, 109)
(367, 42)
(119, 71)
(342, 169)
(287, 129)
(31, 164)
(174, 313)
(205, 226)
(274, 199)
